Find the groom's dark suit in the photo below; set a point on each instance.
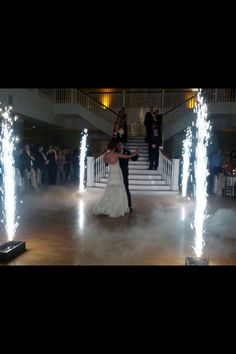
(124, 163)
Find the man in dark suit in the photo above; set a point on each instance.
(157, 118)
(154, 144)
(125, 169)
(148, 124)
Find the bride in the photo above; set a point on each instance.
(114, 202)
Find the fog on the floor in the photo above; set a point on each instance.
(156, 227)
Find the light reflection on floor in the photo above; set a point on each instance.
(60, 229)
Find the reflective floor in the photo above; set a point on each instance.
(60, 229)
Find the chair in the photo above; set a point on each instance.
(229, 188)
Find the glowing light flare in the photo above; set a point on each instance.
(187, 149)
(201, 172)
(106, 98)
(7, 140)
(81, 215)
(83, 150)
(183, 215)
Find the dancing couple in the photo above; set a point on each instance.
(116, 200)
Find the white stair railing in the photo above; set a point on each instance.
(169, 170)
(96, 169)
(100, 168)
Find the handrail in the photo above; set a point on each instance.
(101, 104)
(101, 154)
(180, 104)
(144, 92)
(165, 154)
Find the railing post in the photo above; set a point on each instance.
(71, 95)
(54, 95)
(216, 95)
(159, 161)
(175, 175)
(90, 171)
(162, 101)
(123, 99)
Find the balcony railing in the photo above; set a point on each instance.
(178, 118)
(131, 99)
(76, 96)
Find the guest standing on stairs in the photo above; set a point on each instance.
(148, 124)
(154, 144)
(157, 118)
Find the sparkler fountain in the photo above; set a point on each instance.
(83, 150)
(201, 172)
(187, 146)
(10, 249)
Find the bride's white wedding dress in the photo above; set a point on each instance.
(114, 202)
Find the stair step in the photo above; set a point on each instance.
(139, 187)
(142, 155)
(133, 147)
(144, 159)
(140, 182)
(141, 172)
(136, 138)
(141, 176)
(144, 177)
(138, 167)
(138, 162)
(141, 151)
(136, 142)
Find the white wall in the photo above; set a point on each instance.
(29, 103)
(74, 109)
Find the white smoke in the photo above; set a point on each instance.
(153, 234)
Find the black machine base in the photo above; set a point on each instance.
(10, 250)
(196, 261)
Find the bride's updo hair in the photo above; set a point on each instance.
(112, 144)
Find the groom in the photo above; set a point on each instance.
(124, 168)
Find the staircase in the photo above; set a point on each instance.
(75, 102)
(140, 177)
(221, 109)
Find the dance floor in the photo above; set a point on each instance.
(60, 229)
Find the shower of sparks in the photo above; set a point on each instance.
(83, 150)
(7, 141)
(201, 172)
(187, 148)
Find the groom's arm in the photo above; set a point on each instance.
(134, 158)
